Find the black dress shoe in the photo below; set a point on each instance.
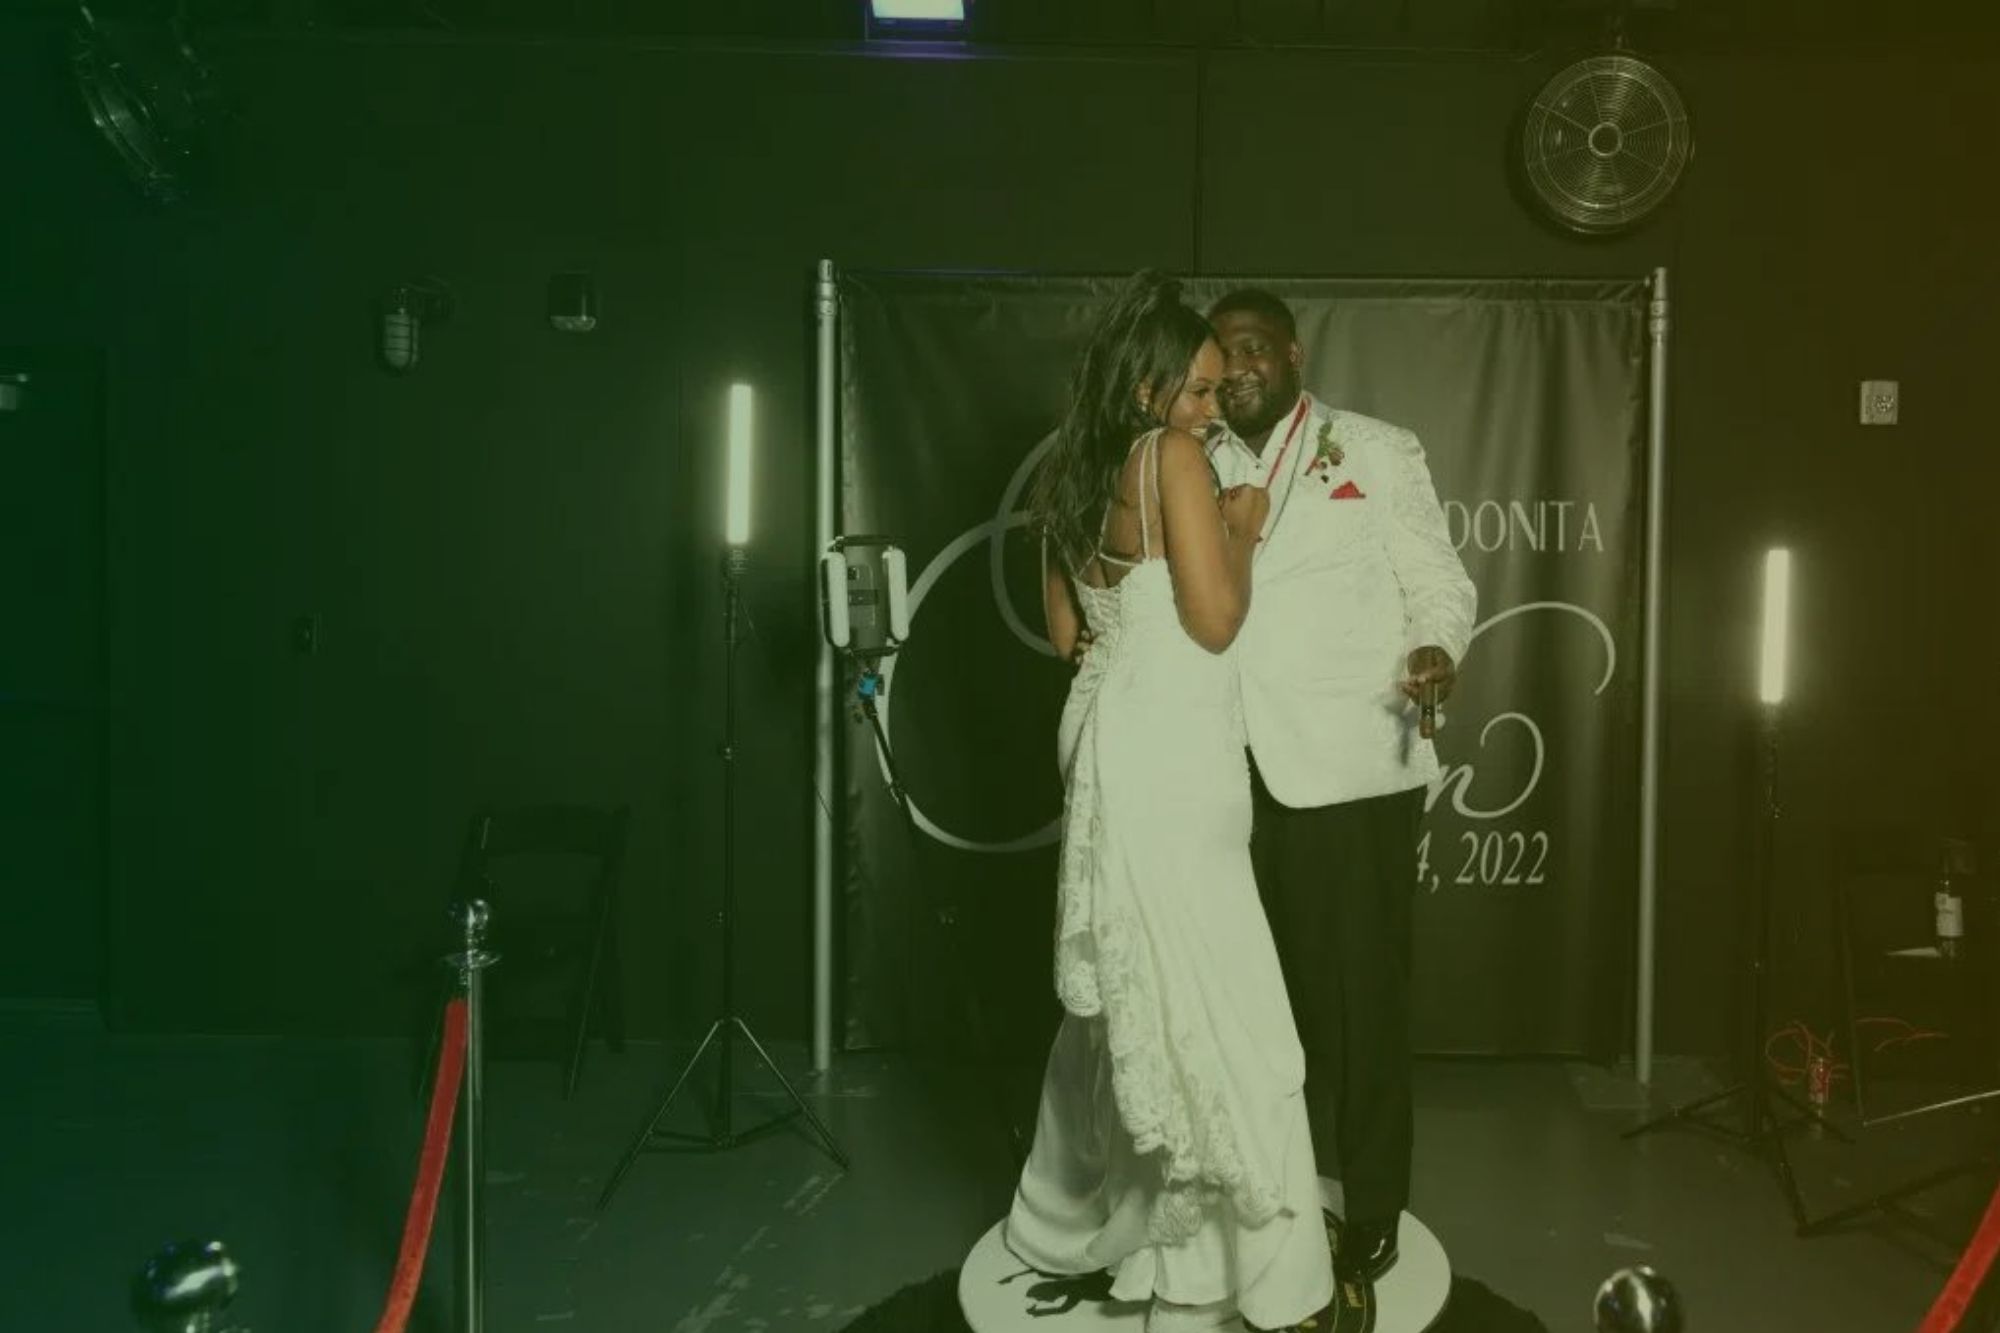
(1367, 1251)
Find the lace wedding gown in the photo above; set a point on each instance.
(1171, 1146)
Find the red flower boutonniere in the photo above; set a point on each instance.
(1326, 460)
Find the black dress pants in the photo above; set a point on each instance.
(1337, 883)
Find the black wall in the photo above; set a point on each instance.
(512, 551)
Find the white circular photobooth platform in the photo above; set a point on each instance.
(999, 1295)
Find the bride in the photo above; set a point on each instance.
(1171, 1146)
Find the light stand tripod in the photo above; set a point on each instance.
(722, 1033)
(1763, 1133)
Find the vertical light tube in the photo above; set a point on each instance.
(737, 529)
(1771, 661)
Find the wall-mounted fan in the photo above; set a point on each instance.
(150, 96)
(1604, 143)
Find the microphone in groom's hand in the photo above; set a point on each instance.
(1432, 675)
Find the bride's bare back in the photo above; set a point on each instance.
(1165, 507)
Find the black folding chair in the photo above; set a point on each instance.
(552, 937)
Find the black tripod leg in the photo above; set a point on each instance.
(1890, 1201)
(1771, 1143)
(652, 1125)
(819, 1126)
(1688, 1112)
(1788, 1185)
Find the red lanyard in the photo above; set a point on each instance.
(1298, 419)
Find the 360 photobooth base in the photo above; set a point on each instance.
(999, 1295)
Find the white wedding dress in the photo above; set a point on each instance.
(1171, 1147)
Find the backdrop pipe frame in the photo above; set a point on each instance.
(826, 310)
(1659, 324)
(826, 316)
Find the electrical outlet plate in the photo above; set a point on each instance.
(1879, 401)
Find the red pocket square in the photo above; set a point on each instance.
(1348, 491)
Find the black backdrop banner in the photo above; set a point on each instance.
(1530, 399)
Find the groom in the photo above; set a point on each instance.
(1360, 613)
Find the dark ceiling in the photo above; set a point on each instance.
(1491, 25)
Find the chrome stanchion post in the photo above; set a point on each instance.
(1638, 1300)
(472, 963)
(185, 1288)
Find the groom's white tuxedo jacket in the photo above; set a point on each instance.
(1355, 570)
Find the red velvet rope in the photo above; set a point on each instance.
(1963, 1284)
(430, 1173)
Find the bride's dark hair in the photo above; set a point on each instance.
(1146, 337)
